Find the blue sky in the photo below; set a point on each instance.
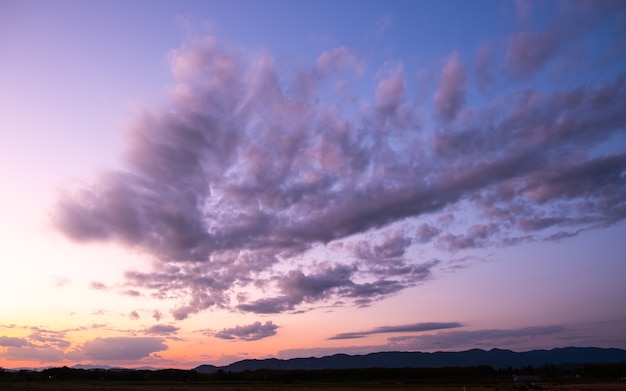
(201, 182)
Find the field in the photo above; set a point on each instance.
(146, 386)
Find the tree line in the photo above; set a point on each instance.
(474, 374)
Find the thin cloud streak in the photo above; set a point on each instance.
(409, 328)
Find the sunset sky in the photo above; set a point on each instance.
(200, 182)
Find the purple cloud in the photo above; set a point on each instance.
(390, 91)
(245, 179)
(13, 341)
(476, 338)
(251, 332)
(34, 353)
(56, 339)
(131, 292)
(450, 96)
(528, 52)
(340, 58)
(409, 328)
(118, 349)
(162, 329)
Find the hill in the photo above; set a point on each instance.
(496, 358)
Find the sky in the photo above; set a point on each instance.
(201, 182)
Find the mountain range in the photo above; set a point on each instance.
(496, 358)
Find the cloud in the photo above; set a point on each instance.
(131, 292)
(13, 341)
(450, 96)
(409, 328)
(251, 332)
(162, 329)
(243, 181)
(384, 24)
(46, 345)
(61, 281)
(133, 315)
(528, 52)
(34, 353)
(98, 286)
(390, 91)
(487, 338)
(54, 338)
(118, 349)
(521, 339)
(340, 58)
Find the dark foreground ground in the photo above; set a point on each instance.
(99, 386)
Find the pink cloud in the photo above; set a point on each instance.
(390, 91)
(338, 59)
(528, 52)
(450, 96)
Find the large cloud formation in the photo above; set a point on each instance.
(268, 191)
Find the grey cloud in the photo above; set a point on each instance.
(134, 315)
(251, 332)
(409, 328)
(242, 178)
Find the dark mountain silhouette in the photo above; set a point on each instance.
(496, 358)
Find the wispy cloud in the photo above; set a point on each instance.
(384, 24)
(408, 328)
(518, 339)
(488, 338)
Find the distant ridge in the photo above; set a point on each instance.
(496, 358)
